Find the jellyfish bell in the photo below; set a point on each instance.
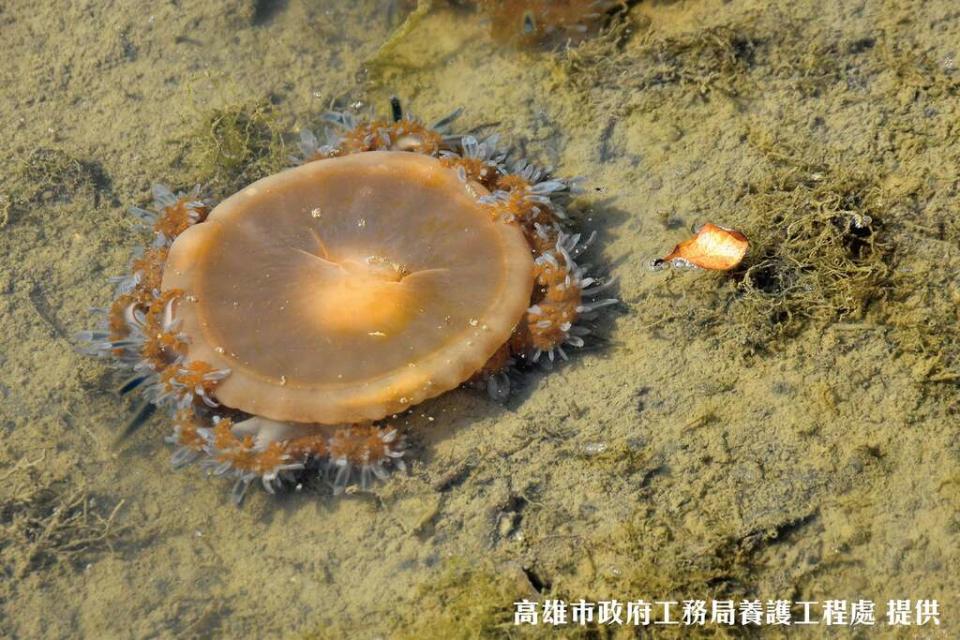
(348, 289)
(280, 329)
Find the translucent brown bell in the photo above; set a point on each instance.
(348, 289)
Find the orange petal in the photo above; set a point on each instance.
(712, 248)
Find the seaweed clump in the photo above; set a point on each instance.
(820, 252)
(53, 175)
(719, 569)
(46, 521)
(924, 306)
(47, 176)
(470, 600)
(614, 65)
(237, 145)
(466, 601)
(928, 326)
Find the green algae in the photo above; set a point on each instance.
(236, 145)
(51, 176)
(46, 521)
(6, 208)
(924, 313)
(712, 60)
(465, 601)
(470, 599)
(819, 252)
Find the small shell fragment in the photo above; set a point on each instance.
(713, 247)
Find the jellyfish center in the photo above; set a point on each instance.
(363, 295)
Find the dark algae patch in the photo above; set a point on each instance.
(235, 145)
(819, 251)
(52, 175)
(47, 521)
(470, 599)
(714, 59)
(630, 64)
(47, 176)
(467, 601)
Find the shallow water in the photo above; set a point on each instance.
(699, 449)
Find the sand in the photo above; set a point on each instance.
(716, 442)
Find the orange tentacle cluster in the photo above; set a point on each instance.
(117, 327)
(140, 328)
(475, 169)
(359, 444)
(162, 345)
(548, 324)
(557, 295)
(362, 447)
(383, 135)
(196, 377)
(149, 269)
(187, 431)
(243, 455)
(518, 207)
(305, 447)
(177, 217)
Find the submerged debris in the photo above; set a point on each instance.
(712, 247)
(538, 22)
